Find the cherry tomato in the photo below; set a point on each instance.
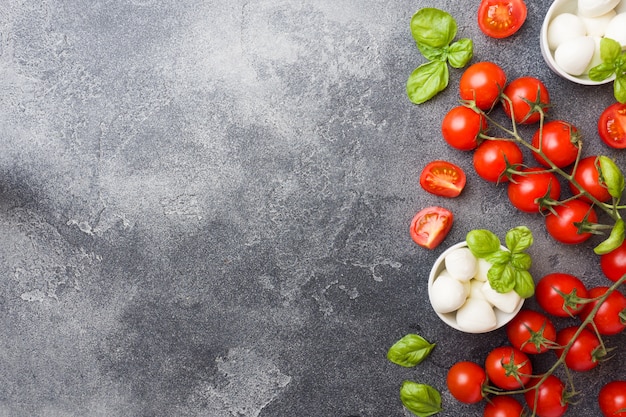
(492, 156)
(461, 126)
(613, 264)
(430, 226)
(531, 332)
(612, 399)
(501, 18)
(582, 354)
(556, 293)
(508, 368)
(610, 318)
(503, 406)
(561, 225)
(588, 178)
(612, 125)
(551, 401)
(525, 190)
(557, 140)
(443, 178)
(482, 82)
(465, 381)
(521, 91)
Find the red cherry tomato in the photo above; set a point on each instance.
(482, 82)
(613, 264)
(430, 226)
(527, 189)
(612, 399)
(465, 381)
(501, 18)
(558, 141)
(550, 401)
(561, 225)
(582, 354)
(443, 178)
(588, 178)
(556, 293)
(461, 126)
(521, 91)
(508, 368)
(612, 126)
(503, 406)
(531, 332)
(492, 156)
(610, 318)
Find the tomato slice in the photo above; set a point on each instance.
(612, 126)
(501, 18)
(443, 178)
(430, 226)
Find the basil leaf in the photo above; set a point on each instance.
(602, 71)
(615, 239)
(433, 53)
(460, 53)
(519, 239)
(502, 277)
(426, 81)
(409, 351)
(482, 242)
(619, 88)
(421, 399)
(611, 175)
(433, 27)
(499, 257)
(610, 50)
(521, 261)
(524, 284)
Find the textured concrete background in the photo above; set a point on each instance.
(204, 206)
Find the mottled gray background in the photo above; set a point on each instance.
(204, 206)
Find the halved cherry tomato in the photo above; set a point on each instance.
(482, 82)
(522, 91)
(430, 226)
(588, 178)
(612, 126)
(443, 178)
(501, 18)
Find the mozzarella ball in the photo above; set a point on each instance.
(596, 26)
(476, 316)
(563, 27)
(616, 29)
(482, 270)
(476, 289)
(621, 7)
(506, 302)
(447, 294)
(574, 55)
(461, 264)
(594, 8)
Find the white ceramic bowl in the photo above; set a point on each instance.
(502, 318)
(558, 7)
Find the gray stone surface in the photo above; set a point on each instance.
(204, 206)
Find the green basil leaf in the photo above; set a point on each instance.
(521, 261)
(619, 88)
(433, 27)
(433, 53)
(524, 284)
(482, 242)
(602, 71)
(421, 399)
(499, 257)
(502, 277)
(426, 81)
(519, 239)
(409, 351)
(611, 175)
(615, 239)
(610, 50)
(460, 53)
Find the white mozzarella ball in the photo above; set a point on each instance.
(596, 26)
(593, 8)
(506, 302)
(482, 270)
(616, 29)
(621, 7)
(476, 316)
(563, 27)
(447, 294)
(476, 289)
(461, 264)
(574, 55)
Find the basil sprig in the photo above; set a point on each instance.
(410, 351)
(509, 269)
(434, 31)
(611, 176)
(421, 399)
(613, 63)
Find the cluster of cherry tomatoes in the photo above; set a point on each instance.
(508, 370)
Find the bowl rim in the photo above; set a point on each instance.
(502, 318)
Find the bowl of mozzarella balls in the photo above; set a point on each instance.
(460, 293)
(572, 31)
